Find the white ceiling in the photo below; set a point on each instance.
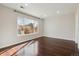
(43, 10)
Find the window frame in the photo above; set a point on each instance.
(30, 33)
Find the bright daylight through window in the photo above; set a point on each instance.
(26, 26)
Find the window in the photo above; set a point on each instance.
(26, 26)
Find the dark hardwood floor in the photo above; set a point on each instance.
(55, 47)
(46, 46)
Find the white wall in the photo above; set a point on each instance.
(77, 26)
(8, 29)
(60, 27)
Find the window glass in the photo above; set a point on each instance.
(26, 26)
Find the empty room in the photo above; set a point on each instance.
(39, 29)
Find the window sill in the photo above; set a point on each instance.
(27, 34)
